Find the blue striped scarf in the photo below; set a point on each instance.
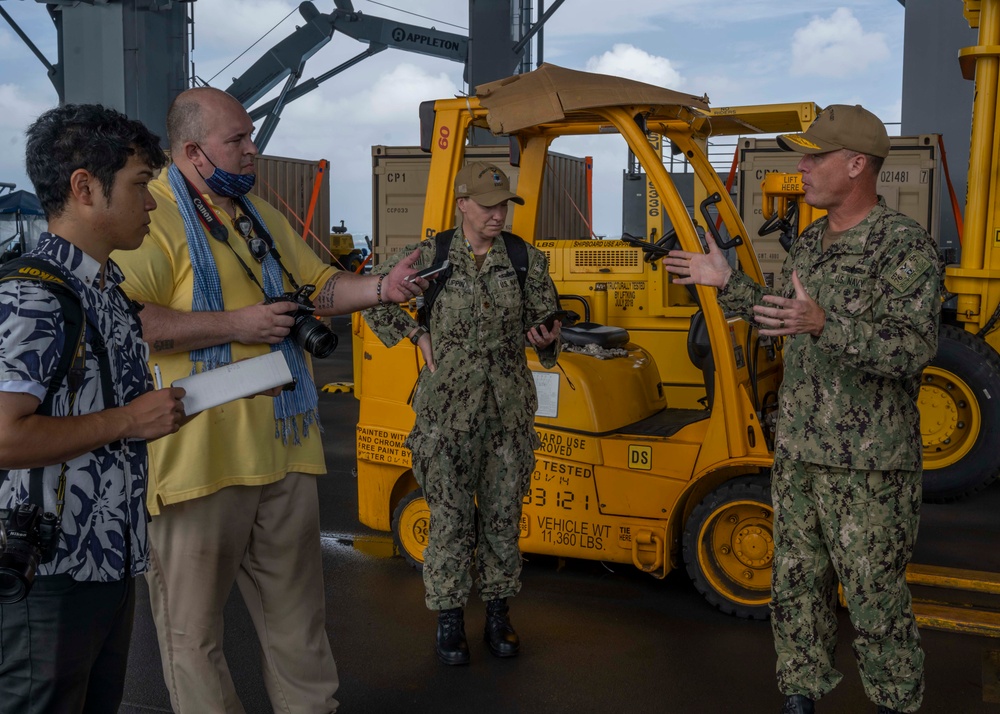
(207, 297)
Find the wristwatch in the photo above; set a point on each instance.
(418, 333)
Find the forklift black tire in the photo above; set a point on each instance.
(353, 261)
(410, 525)
(959, 409)
(729, 547)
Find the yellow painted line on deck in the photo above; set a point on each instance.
(956, 619)
(338, 387)
(954, 578)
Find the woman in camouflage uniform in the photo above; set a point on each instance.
(474, 439)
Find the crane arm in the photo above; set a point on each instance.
(289, 55)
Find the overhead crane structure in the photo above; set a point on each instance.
(140, 51)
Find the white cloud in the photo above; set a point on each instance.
(343, 126)
(9, 43)
(225, 31)
(836, 46)
(20, 110)
(385, 112)
(624, 60)
(399, 93)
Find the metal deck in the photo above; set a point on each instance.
(595, 639)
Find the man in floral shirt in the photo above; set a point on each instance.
(79, 452)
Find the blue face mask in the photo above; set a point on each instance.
(228, 184)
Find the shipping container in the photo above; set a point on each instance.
(908, 181)
(290, 185)
(399, 185)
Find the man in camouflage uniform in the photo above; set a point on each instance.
(474, 439)
(860, 317)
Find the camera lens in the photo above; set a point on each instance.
(315, 338)
(12, 587)
(17, 572)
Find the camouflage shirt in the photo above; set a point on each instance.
(849, 396)
(478, 324)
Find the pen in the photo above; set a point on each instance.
(157, 376)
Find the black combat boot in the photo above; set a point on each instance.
(499, 634)
(452, 647)
(798, 704)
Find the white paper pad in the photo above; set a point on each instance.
(234, 381)
(547, 389)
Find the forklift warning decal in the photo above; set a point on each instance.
(558, 504)
(624, 292)
(568, 532)
(549, 471)
(576, 534)
(382, 445)
(562, 444)
(640, 457)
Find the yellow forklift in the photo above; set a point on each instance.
(655, 454)
(625, 473)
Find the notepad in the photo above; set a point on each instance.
(234, 381)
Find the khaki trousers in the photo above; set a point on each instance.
(266, 540)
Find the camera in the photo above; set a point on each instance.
(309, 331)
(28, 538)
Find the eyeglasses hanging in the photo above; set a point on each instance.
(256, 245)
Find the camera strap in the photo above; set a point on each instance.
(260, 230)
(218, 230)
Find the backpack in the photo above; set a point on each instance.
(71, 367)
(517, 250)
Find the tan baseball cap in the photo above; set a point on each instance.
(840, 126)
(485, 184)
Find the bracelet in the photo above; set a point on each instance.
(378, 289)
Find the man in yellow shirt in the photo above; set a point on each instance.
(234, 500)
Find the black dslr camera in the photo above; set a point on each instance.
(28, 538)
(312, 335)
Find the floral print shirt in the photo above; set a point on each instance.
(103, 521)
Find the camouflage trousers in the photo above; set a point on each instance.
(858, 528)
(486, 467)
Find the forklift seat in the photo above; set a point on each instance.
(591, 333)
(700, 352)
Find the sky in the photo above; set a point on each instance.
(738, 52)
